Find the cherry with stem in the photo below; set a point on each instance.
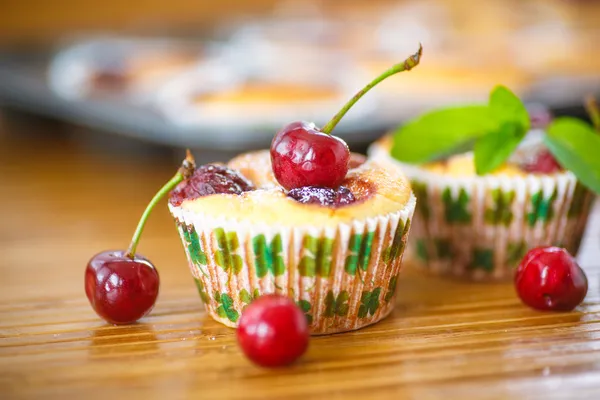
(303, 155)
(122, 286)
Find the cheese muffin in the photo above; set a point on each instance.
(479, 227)
(340, 263)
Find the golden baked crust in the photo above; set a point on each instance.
(378, 190)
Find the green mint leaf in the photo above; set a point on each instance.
(512, 117)
(576, 146)
(505, 106)
(496, 147)
(441, 132)
(496, 130)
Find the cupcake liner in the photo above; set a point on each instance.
(480, 227)
(343, 277)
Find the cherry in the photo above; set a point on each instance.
(543, 163)
(549, 278)
(323, 196)
(122, 286)
(210, 179)
(273, 331)
(303, 155)
(121, 289)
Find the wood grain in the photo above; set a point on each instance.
(60, 203)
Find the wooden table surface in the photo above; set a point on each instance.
(61, 202)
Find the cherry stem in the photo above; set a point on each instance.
(185, 171)
(405, 65)
(594, 112)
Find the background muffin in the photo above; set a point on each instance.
(478, 224)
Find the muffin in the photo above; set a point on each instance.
(138, 70)
(339, 263)
(128, 67)
(479, 227)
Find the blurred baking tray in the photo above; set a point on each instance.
(24, 86)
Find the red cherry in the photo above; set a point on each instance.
(273, 331)
(549, 278)
(121, 290)
(122, 286)
(304, 156)
(544, 163)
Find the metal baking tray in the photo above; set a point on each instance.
(24, 86)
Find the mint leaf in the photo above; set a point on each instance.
(505, 106)
(441, 132)
(512, 117)
(496, 129)
(576, 146)
(496, 147)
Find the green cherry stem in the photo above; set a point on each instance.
(593, 111)
(185, 171)
(405, 65)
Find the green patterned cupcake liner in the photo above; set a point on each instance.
(343, 278)
(480, 227)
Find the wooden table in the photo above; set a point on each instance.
(60, 203)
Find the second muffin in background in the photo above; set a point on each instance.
(479, 226)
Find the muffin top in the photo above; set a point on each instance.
(375, 190)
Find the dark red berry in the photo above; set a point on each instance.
(549, 278)
(120, 289)
(273, 331)
(543, 163)
(210, 179)
(304, 156)
(323, 196)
